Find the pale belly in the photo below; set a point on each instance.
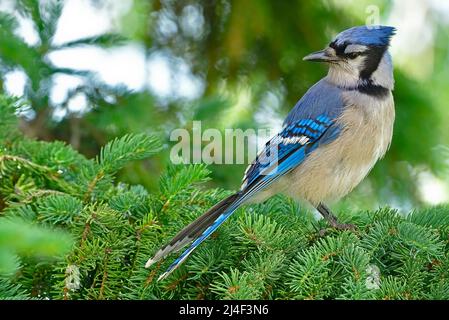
(333, 170)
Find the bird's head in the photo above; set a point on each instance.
(357, 53)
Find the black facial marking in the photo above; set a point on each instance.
(374, 55)
(371, 89)
(339, 49)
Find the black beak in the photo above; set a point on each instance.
(325, 55)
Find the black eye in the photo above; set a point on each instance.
(353, 55)
(339, 49)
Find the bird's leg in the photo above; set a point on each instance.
(332, 220)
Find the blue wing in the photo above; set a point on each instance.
(314, 119)
(292, 145)
(287, 150)
(310, 124)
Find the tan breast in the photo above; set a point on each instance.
(333, 170)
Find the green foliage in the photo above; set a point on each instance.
(248, 73)
(130, 147)
(34, 60)
(8, 121)
(56, 209)
(67, 231)
(10, 291)
(75, 227)
(19, 237)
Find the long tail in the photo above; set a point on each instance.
(198, 231)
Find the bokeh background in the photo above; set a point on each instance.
(92, 70)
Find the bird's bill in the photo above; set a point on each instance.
(321, 56)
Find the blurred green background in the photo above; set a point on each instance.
(91, 70)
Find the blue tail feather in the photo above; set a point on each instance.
(218, 222)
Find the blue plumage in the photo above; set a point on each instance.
(294, 136)
(262, 173)
(315, 124)
(218, 222)
(323, 98)
(366, 35)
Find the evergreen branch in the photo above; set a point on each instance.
(92, 184)
(104, 41)
(178, 179)
(152, 274)
(105, 273)
(27, 163)
(41, 193)
(120, 151)
(44, 171)
(269, 251)
(130, 147)
(59, 209)
(8, 118)
(10, 291)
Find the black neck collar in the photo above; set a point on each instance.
(371, 89)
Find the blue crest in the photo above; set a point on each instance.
(366, 35)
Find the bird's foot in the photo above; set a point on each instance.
(343, 226)
(337, 226)
(332, 220)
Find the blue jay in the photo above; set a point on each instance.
(330, 140)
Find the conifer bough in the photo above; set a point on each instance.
(68, 230)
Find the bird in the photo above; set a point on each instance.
(329, 141)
